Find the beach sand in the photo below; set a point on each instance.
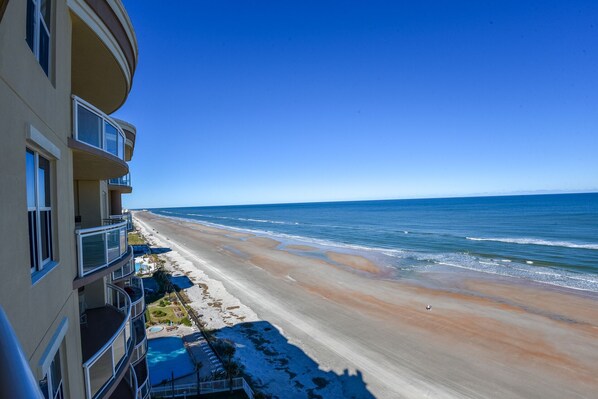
(335, 325)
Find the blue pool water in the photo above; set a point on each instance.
(546, 238)
(155, 328)
(167, 356)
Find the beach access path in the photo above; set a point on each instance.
(334, 326)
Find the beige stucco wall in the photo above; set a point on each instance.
(29, 97)
(115, 203)
(88, 202)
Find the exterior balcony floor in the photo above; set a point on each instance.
(124, 391)
(102, 323)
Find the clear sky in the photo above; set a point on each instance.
(242, 102)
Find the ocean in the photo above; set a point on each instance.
(550, 239)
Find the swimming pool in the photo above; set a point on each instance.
(167, 356)
(155, 329)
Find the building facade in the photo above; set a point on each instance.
(70, 305)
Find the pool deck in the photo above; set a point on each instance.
(196, 346)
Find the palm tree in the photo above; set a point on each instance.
(231, 368)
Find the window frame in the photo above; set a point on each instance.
(39, 23)
(53, 392)
(38, 263)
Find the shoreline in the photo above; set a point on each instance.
(310, 246)
(527, 338)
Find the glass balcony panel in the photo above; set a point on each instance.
(99, 246)
(97, 129)
(89, 127)
(119, 347)
(121, 146)
(123, 241)
(111, 134)
(113, 237)
(94, 251)
(100, 372)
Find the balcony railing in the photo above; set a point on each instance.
(95, 128)
(135, 290)
(132, 380)
(125, 271)
(102, 367)
(121, 181)
(99, 246)
(143, 380)
(139, 351)
(114, 219)
(16, 376)
(206, 387)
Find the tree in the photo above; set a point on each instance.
(231, 368)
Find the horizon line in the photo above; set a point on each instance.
(476, 195)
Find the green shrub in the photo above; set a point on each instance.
(158, 313)
(185, 321)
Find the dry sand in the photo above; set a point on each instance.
(313, 328)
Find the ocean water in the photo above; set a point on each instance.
(551, 239)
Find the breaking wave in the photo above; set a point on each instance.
(533, 241)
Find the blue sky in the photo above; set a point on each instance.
(242, 102)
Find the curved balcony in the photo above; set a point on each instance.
(107, 343)
(140, 348)
(121, 184)
(114, 219)
(130, 134)
(143, 380)
(135, 291)
(124, 272)
(128, 387)
(104, 52)
(98, 144)
(100, 251)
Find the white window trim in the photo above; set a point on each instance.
(42, 263)
(53, 346)
(50, 353)
(39, 144)
(39, 140)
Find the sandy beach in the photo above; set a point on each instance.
(308, 323)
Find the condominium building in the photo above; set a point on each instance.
(71, 308)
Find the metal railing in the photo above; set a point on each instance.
(121, 181)
(137, 306)
(131, 379)
(93, 127)
(144, 388)
(205, 387)
(100, 369)
(125, 217)
(99, 246)
(125, 271)
(16, 378)
(139, 351)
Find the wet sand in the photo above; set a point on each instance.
(484, 336)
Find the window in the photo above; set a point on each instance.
(51, 384)
(39, 210)
(38, 31)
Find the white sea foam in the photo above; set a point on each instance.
(422, 261)
(534, 241)
(243, 219)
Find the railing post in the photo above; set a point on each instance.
(75, 119)
(105, 235)
(88, 382)
(80, 254)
